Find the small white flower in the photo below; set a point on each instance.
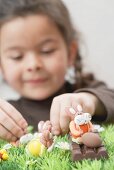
(63, 145)
(98, 128)
(101, 129)
(7, 146)
(26, 138)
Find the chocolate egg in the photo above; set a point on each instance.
(35, 148)
(91, 140)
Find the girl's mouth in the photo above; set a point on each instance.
(36, 81)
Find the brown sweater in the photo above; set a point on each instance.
(34, 111)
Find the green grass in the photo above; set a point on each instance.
(59, 159)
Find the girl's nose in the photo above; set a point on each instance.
(33, 62)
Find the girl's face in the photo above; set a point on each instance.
(34, 56)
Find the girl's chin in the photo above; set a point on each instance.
(38, 96)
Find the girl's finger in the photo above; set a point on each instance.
(13, 113)
(64, 118)
(10, 125)
(55, 117)
(87, 101)
(6, 135)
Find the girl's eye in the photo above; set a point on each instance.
(16, 58)
(48, 51)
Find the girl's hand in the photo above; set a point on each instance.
(59, 114)
(12, 124)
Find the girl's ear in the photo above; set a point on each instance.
(73, 49)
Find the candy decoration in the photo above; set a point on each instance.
(26, 138)
(91, 140)
(35, 147)
(3, 154)
(63, 145)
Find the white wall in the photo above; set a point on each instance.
(95, 20)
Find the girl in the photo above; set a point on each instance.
(38, 46)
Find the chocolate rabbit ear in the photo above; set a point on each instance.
(70, 112)
(79, 108)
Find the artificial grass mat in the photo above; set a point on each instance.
(59, 159)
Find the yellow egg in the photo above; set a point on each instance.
(35, 148)
(5, 156)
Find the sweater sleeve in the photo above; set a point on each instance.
(105, 95)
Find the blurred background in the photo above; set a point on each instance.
(95, 21)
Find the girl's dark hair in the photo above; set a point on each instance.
(54, 9)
